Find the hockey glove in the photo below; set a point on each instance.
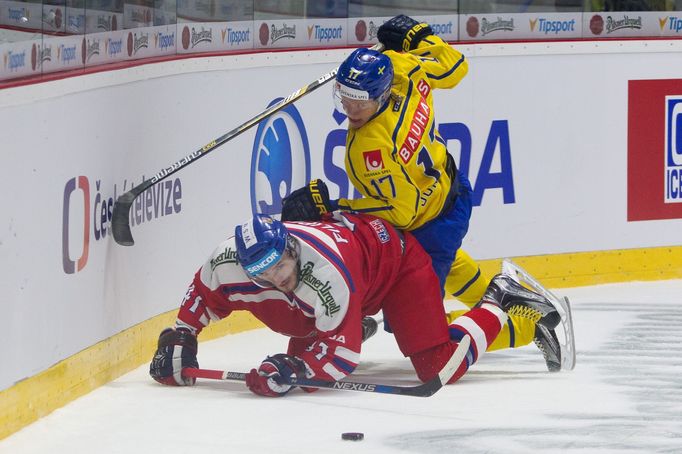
(308, 203)
(402, 33)
(267, 380)
(177, 348)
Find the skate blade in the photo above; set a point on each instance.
(562, 305)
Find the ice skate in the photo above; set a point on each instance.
(548, 343)
(517, 300)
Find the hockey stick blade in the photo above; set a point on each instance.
(424, 390)
(120, 219)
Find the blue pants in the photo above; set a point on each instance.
(442, 236)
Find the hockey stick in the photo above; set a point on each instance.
(424, 390)
(120, 219)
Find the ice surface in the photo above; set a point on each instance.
(625, 395)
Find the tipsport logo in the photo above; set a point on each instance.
(673, 149)
(85, 218)
(280, 161)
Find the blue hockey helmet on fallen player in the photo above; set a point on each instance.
(261, 243)
(366, 75)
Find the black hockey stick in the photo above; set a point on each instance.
(120, 219)
(424, 390)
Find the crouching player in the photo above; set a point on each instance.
(314, 282)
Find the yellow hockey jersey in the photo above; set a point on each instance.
(397, 159)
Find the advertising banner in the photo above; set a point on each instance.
(301, 33)
(137, 16)
(149, 42)
(363, 30)
(65, 52)
(214, 36)
(97, 21)
(654, 149)
(23, 58)
(104, 47)
(540, 26)
(22, 14)
(553, 170)
(615, 24)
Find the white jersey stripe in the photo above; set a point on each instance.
(349, 355)
(212, 315)
(477, 334)
(333, 371)
(323, 237)
(260, 297)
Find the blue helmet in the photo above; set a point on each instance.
(261, 242)
(365, 75)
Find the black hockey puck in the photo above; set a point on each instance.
(353, 436)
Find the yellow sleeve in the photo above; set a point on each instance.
(444, 65)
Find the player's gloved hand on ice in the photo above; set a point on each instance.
(308, 203)
(177, 348)
(265, 380)
(402, 33)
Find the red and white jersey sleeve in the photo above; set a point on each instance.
(328, 292)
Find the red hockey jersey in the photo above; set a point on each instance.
(348, 264)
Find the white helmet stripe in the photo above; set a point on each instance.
(312, 231)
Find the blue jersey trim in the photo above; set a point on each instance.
(373, 209)
(512, 334)
(343, 365)
(447, 73)
(468, 284)
(305, 307)
(241, 287)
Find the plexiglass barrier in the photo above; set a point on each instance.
(38, 37)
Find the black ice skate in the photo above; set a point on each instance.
(516, 299)
(369, 328)
(548, 343)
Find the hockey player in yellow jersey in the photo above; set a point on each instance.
(397, 160)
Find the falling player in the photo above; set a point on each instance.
(314, 282)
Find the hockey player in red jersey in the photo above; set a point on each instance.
(314, 282)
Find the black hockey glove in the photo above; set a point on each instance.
(308, 203)
(174, 344)
(402, 33)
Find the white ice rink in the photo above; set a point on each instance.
(625, 395)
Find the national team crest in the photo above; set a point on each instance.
(373, 160)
